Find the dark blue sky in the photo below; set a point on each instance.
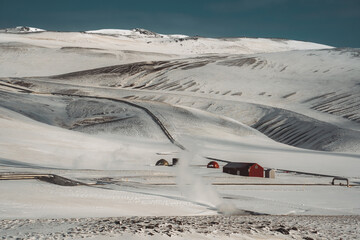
(333, 22)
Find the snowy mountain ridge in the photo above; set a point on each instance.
(146, 34)
(91, 50)
(136, 32)
(22, 29)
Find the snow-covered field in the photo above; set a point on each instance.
(102, 107)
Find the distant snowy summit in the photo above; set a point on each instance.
(179, 44)
(245, 43)
(21, 29)
(137, 33)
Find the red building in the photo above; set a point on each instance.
(244, 169)
(213, 164)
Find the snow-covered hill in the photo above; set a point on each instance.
(28, 54)
(299, 94)
(107, 104)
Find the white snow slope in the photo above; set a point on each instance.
(101, 107)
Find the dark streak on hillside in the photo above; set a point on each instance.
(346, 105)
(297, 130)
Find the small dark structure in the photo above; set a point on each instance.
(213, 164)
(269, 173)
(244, 169)
(162, 162)
(340, 179)
(175, 161)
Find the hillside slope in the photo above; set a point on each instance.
(218, 97)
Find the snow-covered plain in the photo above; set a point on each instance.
(101, 107)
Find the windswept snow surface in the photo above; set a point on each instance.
(102, 107)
